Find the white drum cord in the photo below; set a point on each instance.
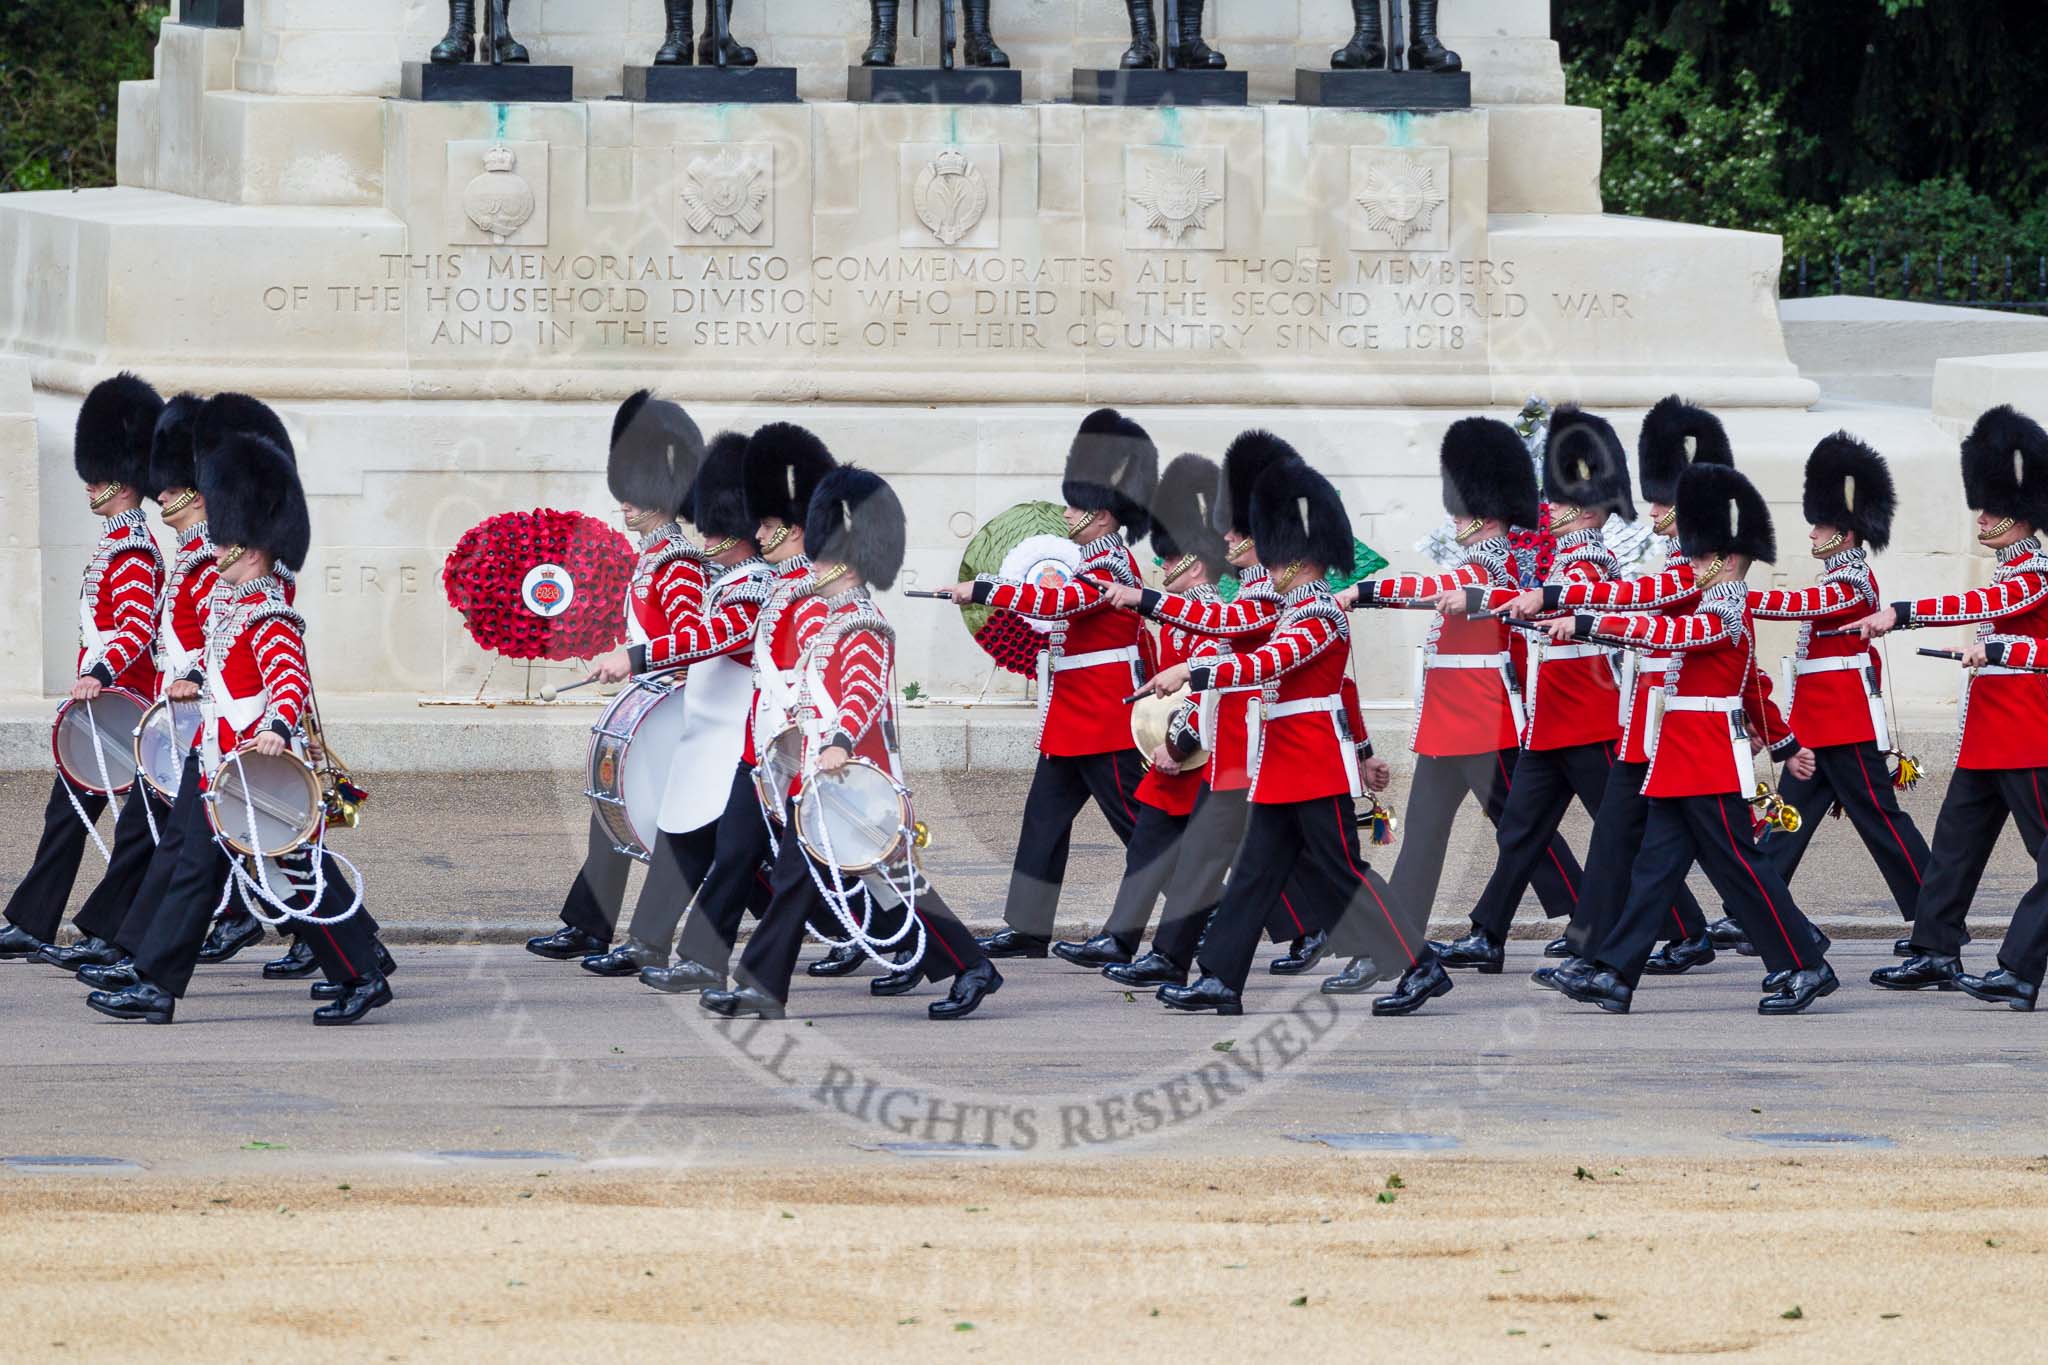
(99, 758)
(839, 898)
(257, 891)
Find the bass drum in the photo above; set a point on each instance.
(856, 819)
(162, 741)
(631, 751)
(264, 807)
(93, 741)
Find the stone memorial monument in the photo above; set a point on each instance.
(446, 300)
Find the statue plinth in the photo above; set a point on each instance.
(711, 84)
(934, 85)
(509, 83)
(1383, 90)
(211, 13)
(1151, 87)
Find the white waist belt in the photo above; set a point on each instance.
(1468, 661)
(1558, 653)
(1725, 705)
(1095, 659)
(1332, 705)
(2001, 671)
(1304, 706)
(1840, 663)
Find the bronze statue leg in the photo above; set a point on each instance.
(1144, 49)
(460, 44)
(718, 13)
(1426, 51)
(981, 49)
(1368, 47)
(881, 34)
(675, 48)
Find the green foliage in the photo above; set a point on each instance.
(1936, 240)
(61, 63)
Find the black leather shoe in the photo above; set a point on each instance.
(1475, 951)
(1360, 975)
(1598, 987)
(684, 977)
(1724, 932)
(1098, 952)
(970, 988)
(358, 998)
(902, 981)
(1547, 977)
(87, 952)
(1928, 971)
(386, 963)
(1801, 990)
(297, 962)
(1206, 994)
(150, 1003)
(1153, 969)
(745, 1000)
(1302, 955)
(115, 976)
(326, 990)
(2000, 987)
(1774, 982)
(16, 943)
(1903, 947)
(841, 961)
(1419, 985)
(229, 936)
(627, 959)
(1010, 943)
(1680, 955)
(566, 943)
(1559, 947)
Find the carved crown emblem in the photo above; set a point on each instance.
(1176, 198)
(724, 194)
(499, 201)
(950, 196)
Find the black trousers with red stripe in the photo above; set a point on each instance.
(1611, 852)
(37, 905)
(128, 860)
(733, 885)
(772, 951)
(1060, 787)
(1313, 844)
(1435, 794)
(599, 892)
(1545, 782)
(1208, 846)
(1149, 860)
(1715, 832)
(678, 867)
(1853, 779)
(1973, 815)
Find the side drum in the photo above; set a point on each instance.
(162, 740)
(631, 750)
(856, 819)
(93, 741)
(264, 807)
(781, 764)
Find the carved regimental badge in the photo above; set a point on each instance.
(724, 194)
(499, 201)
(950, 196)
(1401, 196)
(1176, 198)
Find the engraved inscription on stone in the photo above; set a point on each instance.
(724, 194)
(950, 192)
(505, 195)
(1175, 196)
(1403, 198)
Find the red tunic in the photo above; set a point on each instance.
(724, 626)
(1672, 593)
(117, 606)
(257, 678)
(2004, 715)
(1095, 654)
(1570, 696)
(853, 652)
(181, 626)
(1224, 628)
(668, 585)
(1835, 683)
(1306, 747)
(1465, 703)
(793, 614)
(1163, 789)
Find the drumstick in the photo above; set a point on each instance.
(1940, 653)
(937, 594)
(550, 693)
(1839, 633)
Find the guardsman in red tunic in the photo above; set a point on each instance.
(1469, 702)
(653, 460)
(256, 694)
(1192, 554)
(1571, 723)
(1305, 769)
(116, 633)
(844, 703)
(1094, 659)
(1834, 687)
(1702, 767)
(2002, 762)
(751, 643)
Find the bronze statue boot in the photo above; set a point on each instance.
(1426, 51)
(980, 48)
(509, 49)
(881, 34)
(675, 49)
(1190, 51)
(707, 46)
(1143, 52)
(460, 44)
(1367, 50)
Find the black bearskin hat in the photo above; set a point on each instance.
(172, 447)
(1244, 464)
(1488, 474)
(2005, 467)
(115, 425)
(784, 464)
(1721, 513)
(254, 500)
(1584, 464)
(1297, 516)
(1676, 434)
(855, 519)
(1113, 467)
(229, 412)
(655, 452)
(1184, 513)
(1849, 487)
(719, 497)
